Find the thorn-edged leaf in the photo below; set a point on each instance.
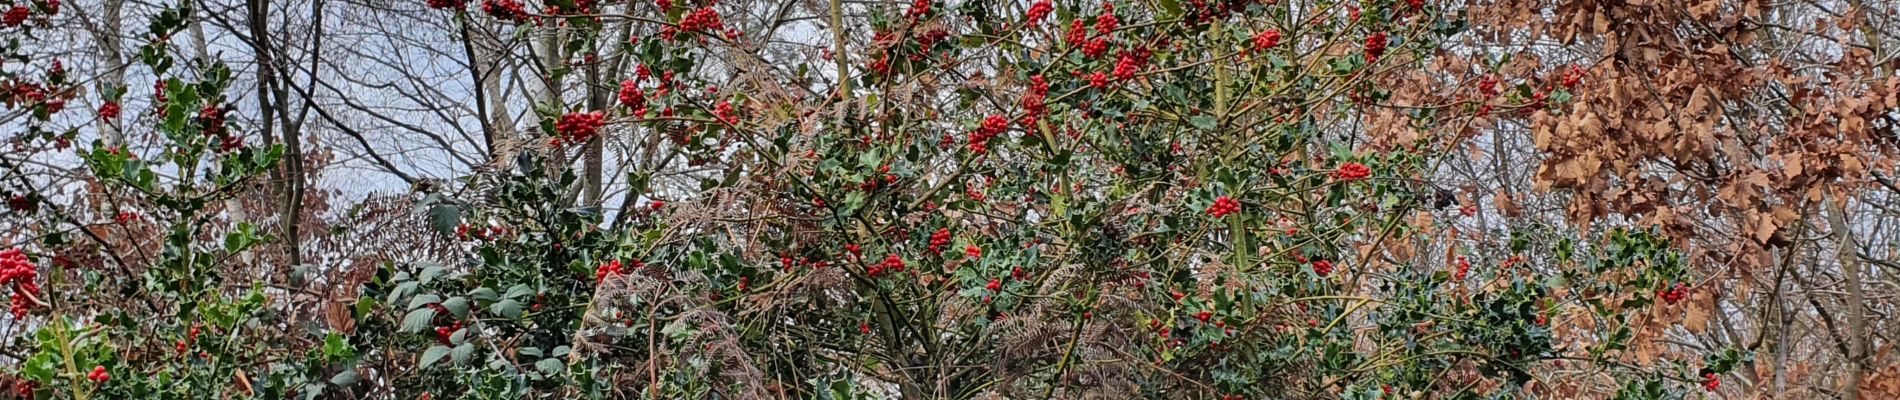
(444, 218)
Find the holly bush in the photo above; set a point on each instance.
(1200, 199)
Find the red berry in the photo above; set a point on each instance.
(98, 374)
(1266, 39)
(1375, 46)
(15, 16)
(1223, 206)
(505, 10)
(1037, 12)
(1352, 171)
(1322, 267)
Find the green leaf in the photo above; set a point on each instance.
(550, 366)
(484, 294)
(1204, 122)
(462, 353)
(335, 347)
(402, 290)
(346, 378)
(509, 308)
(429, 272)
(518, 290)
(423, 300)
(444, 218)
(418, 320)
(433, 354)
(458, 306)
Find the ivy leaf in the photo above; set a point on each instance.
(335, 347)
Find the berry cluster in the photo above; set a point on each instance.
(505, 10)
(15, 16)
(447, 4)
(109, 111)
(98, 374)
(464, 231)
(444, 333)
(212, 118)
(1375, 46)
(607, 270)
(995, 285)
(1266, 39)
(1098, 80)
(1107, 22)
(21, 202)
(1710, 382)
(1131, 62)
(1322, 267)
(579, 127)
(1037, 12)
(972, 251)
(18, 272)
(1223, 206)
(632, 97)
(891, 263)
(1095, 48)
(702, 19)
(725, 113)
(1464, 268)
(1573, 76)
(1201, 11)
(918, 9)
(1488, 86)
(992, 126)
(1673, 294)
(938, 239)
(1352, 171)
(1033, 106)
(1078, 32)
(190, 336)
